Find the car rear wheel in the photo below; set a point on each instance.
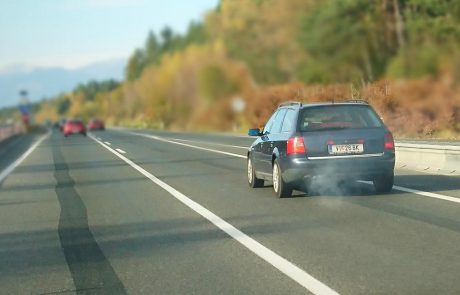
(384, 183)
(281, 188)
(252, 179)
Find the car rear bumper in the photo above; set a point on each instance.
(362, 167)
(68, 132)
(96, 128)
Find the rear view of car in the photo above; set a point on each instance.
(74, 127)
(96, 124)
(336, 141)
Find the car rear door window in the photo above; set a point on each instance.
(288, 123)
(276, 128)
(269, 124)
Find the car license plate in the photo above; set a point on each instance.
(341, 149)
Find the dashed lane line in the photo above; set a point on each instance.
(188, 145)
(120, 151)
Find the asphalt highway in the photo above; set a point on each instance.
(144, 212)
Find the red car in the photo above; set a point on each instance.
(74, 127)
(96, 124)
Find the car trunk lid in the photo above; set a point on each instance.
(344, 141)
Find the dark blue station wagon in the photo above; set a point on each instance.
(300, 142)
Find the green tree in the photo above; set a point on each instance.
(92, 88)
(152, 49)
(167, 37)
(432, 30)
(347, 41)
(136, 65)
(63, 105)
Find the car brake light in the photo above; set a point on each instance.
(296, 145)
(389, 142)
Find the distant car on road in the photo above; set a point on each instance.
(336, 141)
(74, 127)
(96, 124)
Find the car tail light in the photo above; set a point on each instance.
(296, 145)
(389, 142)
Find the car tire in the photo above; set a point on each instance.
(280, 187)
(253, 181)
(384, 183)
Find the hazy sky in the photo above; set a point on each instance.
(73, 33)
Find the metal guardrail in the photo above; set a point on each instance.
(429, 157)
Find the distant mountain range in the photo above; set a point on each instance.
(47, 82)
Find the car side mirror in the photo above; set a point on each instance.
(254, 132)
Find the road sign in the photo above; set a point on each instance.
(238, 105)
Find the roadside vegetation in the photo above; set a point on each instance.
(403, 56)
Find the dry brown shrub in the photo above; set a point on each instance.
(422, 107)
(426, 107)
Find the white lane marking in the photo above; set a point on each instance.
(221, 134)
(16, 163)
(283, 265)
(211, 143)
(227, 134)
(400, 188)
(429, 172)
(120, 151)
(421, 193)
(107, 143)
(187, 145)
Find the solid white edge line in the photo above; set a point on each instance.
(422, 193)
(120, 151)
(429, 172)
(187, 145)
(288, 268)
(400, 188)
(4, 174)
(211, 143)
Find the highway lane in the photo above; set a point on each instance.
(448, 185)
(77, 217)
(139, 235)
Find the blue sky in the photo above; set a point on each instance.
(73, 33)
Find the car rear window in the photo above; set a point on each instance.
(338, 117)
